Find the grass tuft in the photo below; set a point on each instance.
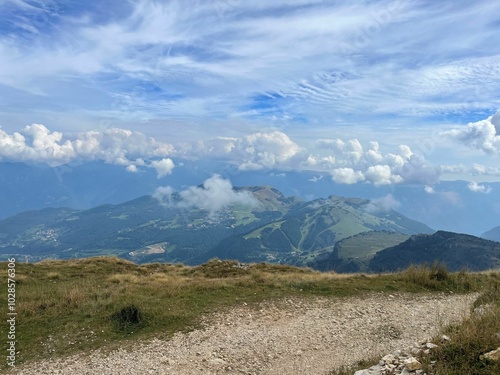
(437, 277)
(127, 318)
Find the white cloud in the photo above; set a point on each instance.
(395, 68)
(251, 152)
(481, 135)
(316, 178)
(132, 168)
(347, 176)
(383, 204)
(351, 163)
(381, 175)
(163, 167)
(478, 188)
(215, 195)
(475, 170)
(36, 143)
(429, 189)
(163, 194)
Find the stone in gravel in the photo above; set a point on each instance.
(416, 351)
(374, 370)
(216, 362)
(494, 355)
(430, 345)
(389, 358)
(412, 364)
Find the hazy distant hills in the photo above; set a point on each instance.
(493, 234)
(278, 229)
(449, 205)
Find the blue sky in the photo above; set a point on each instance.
(378, 92)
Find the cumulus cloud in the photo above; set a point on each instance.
(481, 135)
(132, 168)
(383, 204)
(478, 188)
(352, 163)
(381, 175)
(347, 176)
(252, 152)
(36, 143)
(163, 167)
(216, 194)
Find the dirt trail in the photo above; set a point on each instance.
(290, 336)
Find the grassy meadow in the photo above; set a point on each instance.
(65, 307)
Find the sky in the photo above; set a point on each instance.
(375, 92)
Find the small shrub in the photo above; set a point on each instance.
(74, 297)
(435, 277)
(439, 272)
(127, 318)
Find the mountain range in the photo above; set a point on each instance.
(454, 206)
(275, 228)
(335, 233)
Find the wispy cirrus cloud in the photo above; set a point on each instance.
(310, 58)
(303, 67)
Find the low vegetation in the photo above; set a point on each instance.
(471, 339)
(78, 305)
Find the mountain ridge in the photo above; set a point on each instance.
(456, 250)
(286, 229)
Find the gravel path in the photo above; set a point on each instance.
(291, 336)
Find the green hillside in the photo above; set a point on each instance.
(456, 251)
(353, 254)
(278, 229)
(313, 229)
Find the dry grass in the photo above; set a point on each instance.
(61, 299)
(476, 335)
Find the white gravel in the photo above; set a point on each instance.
(290, 336)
